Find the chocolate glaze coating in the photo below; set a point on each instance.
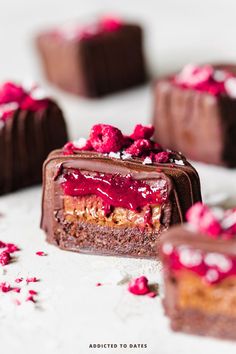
(25, 141)
(200, 125)
(97, 66)
(183, 189)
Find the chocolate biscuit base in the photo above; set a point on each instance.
(200, 125)
(25, 141)
(192, 305)
(97, 66)
(113, 236)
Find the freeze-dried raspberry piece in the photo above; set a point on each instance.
(110, 24)
(30, 298)
(139, 286)
(4, 258)
(193, 76)
(203, 219)
(41, 253)
(142, 132)
(81, 144)
(139, 147)
(162, 157)
(31, 104)
(2, 244)
(106, 138)
(32, 280)
(5, 288)
(18, 280)
(10, 92)
(33, 292)
(11, 248)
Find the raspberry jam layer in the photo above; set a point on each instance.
(114, 190)
(211, 267)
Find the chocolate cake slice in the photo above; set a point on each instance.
(31, 125)
(93, 59)
(199, 261)
(113, 194)
(195, 113)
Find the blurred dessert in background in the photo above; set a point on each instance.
(93, 59)
(195, 113)
(31, 125)
(199, 260)
(114, 194)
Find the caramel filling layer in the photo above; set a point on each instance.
(91, 209)
(195, 293)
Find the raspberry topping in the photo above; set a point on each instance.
(106, 138)
(4, 258)
(207, 79)
(162, 157)
(142, 132)
(213, 222)
(139, 286)
(139, 147)
(110, 24)
(13, 97)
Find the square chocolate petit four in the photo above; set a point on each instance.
(114, 194)
(199, 264)
(195, 113)
(94, 59)
(31, 125)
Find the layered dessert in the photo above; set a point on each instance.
(199, 260)
(114, 194)
(93, 59)
(195, 113)
(31, 125)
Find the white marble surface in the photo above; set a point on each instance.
(72, 312)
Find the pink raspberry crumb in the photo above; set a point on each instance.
(5, 258)
(32, 280)
(33, 292)
(18, 280)
(30, 298)
(98, 284)
(152, 294)
(16, 289)
(2, 244)
(139, 286)
(41, 253)
(5, 288)
(11, 248)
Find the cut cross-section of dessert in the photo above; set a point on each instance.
(199, 260)
(194, 112)
(31, 125)
(113, 194)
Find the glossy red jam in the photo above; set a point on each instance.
(115, 190)
(212, 267)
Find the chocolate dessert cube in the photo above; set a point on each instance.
(108, 195)
(199, 260)
(31, 125)
(93, 60)
(195, 113)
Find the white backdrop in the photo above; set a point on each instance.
(74, 313)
